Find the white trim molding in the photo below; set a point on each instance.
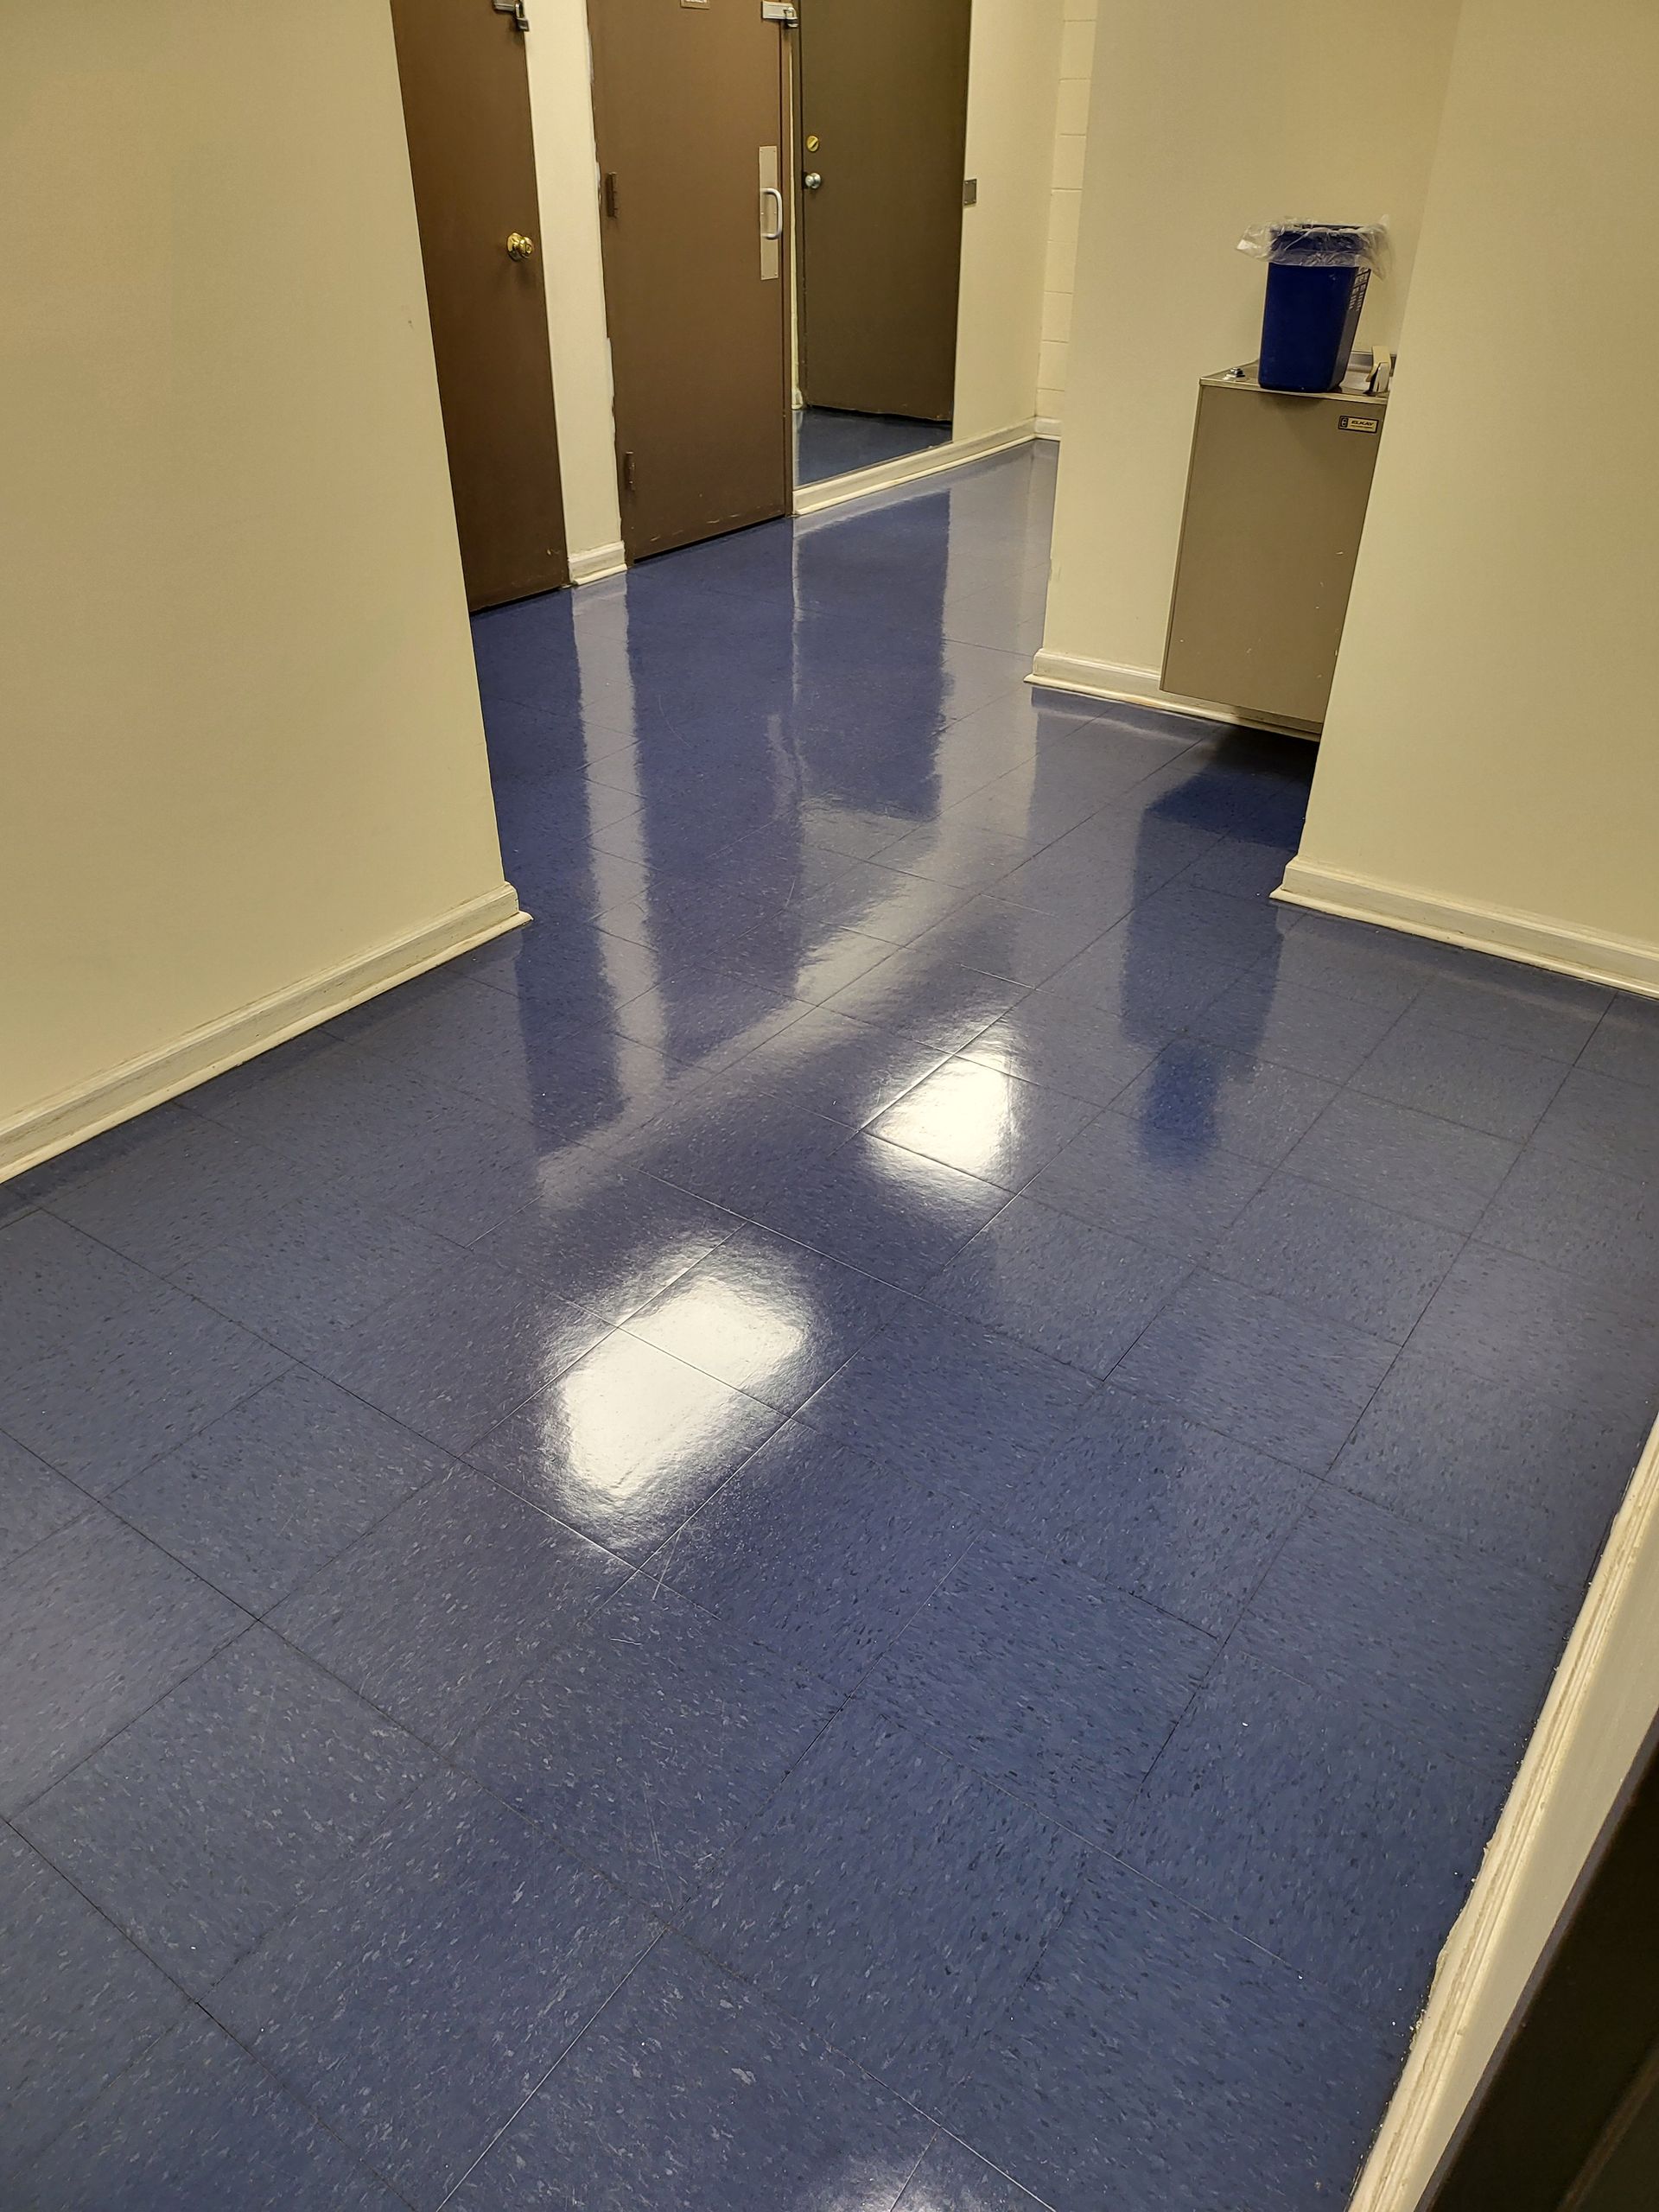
(1139, 687)
(69, 1119)
(1591, 1719)
(1624, 962)
(1046, 426)
(835, 491)
(598, 563)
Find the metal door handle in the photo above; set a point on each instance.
(811, 181)
(519, 246)
(771, 192)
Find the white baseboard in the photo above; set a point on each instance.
(1624, 962)
(599, 561)
(73, 1117)
(835, 491)
(1487, 1960)
(1108, 679)
(1046, 426)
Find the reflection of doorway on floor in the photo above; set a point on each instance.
(830, 443)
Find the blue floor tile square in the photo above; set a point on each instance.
(271, 1491)
(222, 1809)
(1510, 1004)
(1423, 1631)
(1149, 1502)
(1149, 1183)
(1355, 1262)
(34, 1502)
(651, 1742)
(1528, 1474)
(1471, 1080)
(58, 1289)
(447, 1603)
(163, 1369)
(1526, 1326)
(452, 1359)
(198, 2122)
(892, 1901)
(416, 2004)
(1087, 1055)
(876, 1207)
(1604, 1122)
(1625, 1044)
(320, 1267)
(933, 1001)
(690, 2093)
(1058, 1690)
(987, 1123)
(1295, 1025)
(78, 2004)
(1080, 1293)
(1205, 1096)
(769, 1317)
(627, 1444)
(1558, 1211)
(1154, 2059)
(608, 1240)
(1393, 1156)
(1280, 1379)
(95, 1624)
(1342, 1845)
(193, 1187)
(938, 1399)
(817, 1551)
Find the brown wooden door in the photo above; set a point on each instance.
(467, 111)
(688, 104)
(884, 91)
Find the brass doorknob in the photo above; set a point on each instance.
(519, 246)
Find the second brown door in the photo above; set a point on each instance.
(688, 107)
(467, 112)
(884, 93)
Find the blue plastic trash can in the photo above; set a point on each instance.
(1317, 274)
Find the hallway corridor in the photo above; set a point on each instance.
(869, 1525)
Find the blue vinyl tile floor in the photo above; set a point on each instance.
(870, 1524)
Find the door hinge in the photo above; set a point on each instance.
(515, 8)
(627, 471)
(610, 194)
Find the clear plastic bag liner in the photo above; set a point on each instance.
(1317, 246)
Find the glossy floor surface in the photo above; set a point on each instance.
(828, 442)
(868, 1526)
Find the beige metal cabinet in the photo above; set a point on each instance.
(1276, 501)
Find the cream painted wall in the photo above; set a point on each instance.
(1012, 76)
(1065, 201)
(242, 750)
(1204, 118)
(1491, 746)
(567, 174)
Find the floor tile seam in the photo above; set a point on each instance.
(1321, 1310)
(1516, 1564)
(1095, 1377)
(944, 2134)
(934, 1159)
(512, 2118)
(646, 1174)
(867, 1698)
(18, 1812)
(1643, 1276)
(1373, 2013)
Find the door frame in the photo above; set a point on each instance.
(1583, 1762)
